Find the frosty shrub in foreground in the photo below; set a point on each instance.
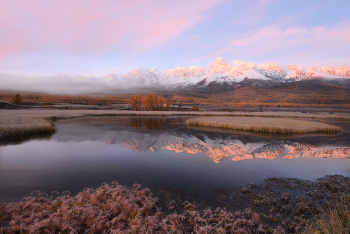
(117, 209)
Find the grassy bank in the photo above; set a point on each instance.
(258, 134)
(264, 125)
(22, 128)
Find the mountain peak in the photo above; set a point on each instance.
(219, 60)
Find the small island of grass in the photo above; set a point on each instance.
(265, 125)
(15, 128)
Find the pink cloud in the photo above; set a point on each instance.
(261, 35)
(256, 13)
(303, 44)
(94, 26)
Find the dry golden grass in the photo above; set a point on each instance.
(265, 125)
(332, 219)
(15, 128)
(258, 134)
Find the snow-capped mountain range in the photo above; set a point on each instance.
(218, 71)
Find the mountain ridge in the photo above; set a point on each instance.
(217, 73)
(220, 71)
(219, 68)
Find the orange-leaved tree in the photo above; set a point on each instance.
(139, 102)
(148, 102)
(161, 102)
(156, 102)
(17, 99)
(169, 100)
(136, 102)
(133, 102)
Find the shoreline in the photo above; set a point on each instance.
(19, 123)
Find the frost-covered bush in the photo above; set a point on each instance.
(285, 197)
(106, 209)
(117, 209)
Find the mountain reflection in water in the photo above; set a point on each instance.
(86, 152)
(167, 135)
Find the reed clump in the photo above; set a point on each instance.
(335, 218)
(15, 133)
(21, 128)
(264, 125)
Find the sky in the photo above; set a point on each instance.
(97, 37)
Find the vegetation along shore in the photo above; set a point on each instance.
(279, 205)
(265, 125)
(21, 122)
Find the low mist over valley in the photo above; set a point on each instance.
(221, 84)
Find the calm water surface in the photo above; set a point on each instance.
(163, 152)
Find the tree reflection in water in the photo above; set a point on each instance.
(153, 123)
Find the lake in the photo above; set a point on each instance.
(159, 152)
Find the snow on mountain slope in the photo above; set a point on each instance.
(218, 71)
(272, 67)
(241, 63)
(140, 77)
(304, 73)
(253, 73)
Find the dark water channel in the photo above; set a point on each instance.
(163, 152)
